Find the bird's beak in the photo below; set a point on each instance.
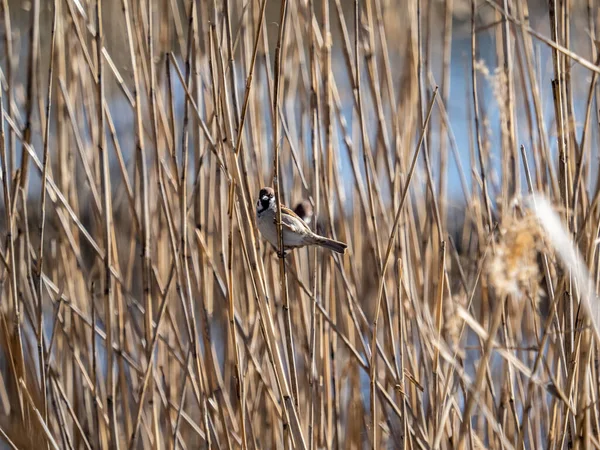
(264, 198)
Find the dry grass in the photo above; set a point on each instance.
(140, 307)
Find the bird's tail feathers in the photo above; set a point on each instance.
(331, 244)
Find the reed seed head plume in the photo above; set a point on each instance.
(513, 268)
(452, 324)
(570, 257)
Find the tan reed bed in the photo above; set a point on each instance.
(140, 307)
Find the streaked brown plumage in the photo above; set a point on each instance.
(296, 232)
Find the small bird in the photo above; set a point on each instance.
(304, 210)
(296, 232)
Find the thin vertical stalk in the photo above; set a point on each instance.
(34, 39)
(316, 151)
(156, 441)
(107, 231)
(278, 192)
(482, 174)
(10, 69)
(13, 303)
(40, 263)
(512, 177)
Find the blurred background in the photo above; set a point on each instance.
(439, 19)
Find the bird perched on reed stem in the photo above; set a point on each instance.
(296, 232)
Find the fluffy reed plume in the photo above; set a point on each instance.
(570, 257)
(452, 324)
(513, 269)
